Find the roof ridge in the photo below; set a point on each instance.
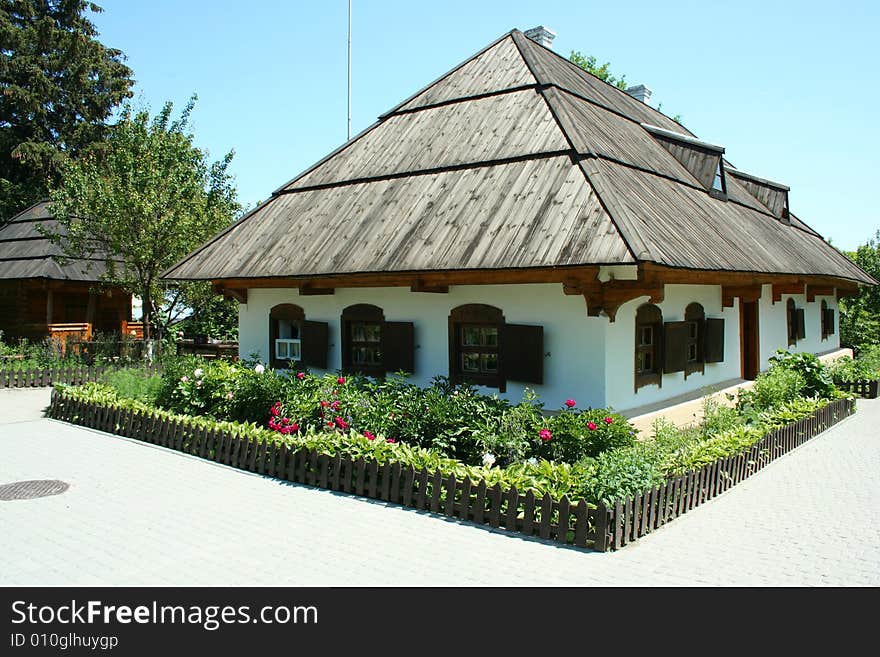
(394, 109)
(542, 92)
(582, 71)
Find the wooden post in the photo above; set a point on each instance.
(50, 306)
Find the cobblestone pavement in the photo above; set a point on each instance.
(137, 514)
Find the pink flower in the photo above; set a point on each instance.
(390, 440)
(545, 435)
(285, 430)
(369, 435)
(294, 427)
(286, 420)
(341, 380)
(609, 420)
(184, 379)
(592, 426)
(229, 395)
(275, 411)
(324, 404)
(342, 424)
(300, 375)
(334, 405)
(571, 403)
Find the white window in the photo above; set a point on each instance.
(287, 349)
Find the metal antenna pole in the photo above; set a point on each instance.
(349, 71)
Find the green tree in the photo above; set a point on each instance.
(860, 315)
(141, 202)
(591, 65)
(58, 86)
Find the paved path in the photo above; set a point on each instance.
(140, 514)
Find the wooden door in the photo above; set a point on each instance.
(748, 331)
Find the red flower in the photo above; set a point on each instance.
(592, 426)
(286, 420)
(285, 430)
(294, 427)
(334, 405)
(571, 403)
(275, 411)
(324, 404)
(545, 435)
(342, 424)
(609, 420)
(331, 425)
(390, 440)
(369, 435)
(300, 375)
(341, 380)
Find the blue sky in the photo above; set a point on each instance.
(790, 89)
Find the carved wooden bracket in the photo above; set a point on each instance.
(609, 297)
(237, 293)
(746, 293)
(421, 286)
(786, 288)
(847, 292)
(308, 290)
(819, 290)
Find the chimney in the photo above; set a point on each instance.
(640, 92)
(541, 35)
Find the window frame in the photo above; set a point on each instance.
(695, 315)
(284, 312)
(648, 316)
(479, 316)
(362, 313)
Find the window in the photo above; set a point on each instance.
(285, 328)
(795, 322)
(718, 182)
(695, 318)
(475, 332)
(293, 340)
(649, 322)
(827, 320)
(362, 339)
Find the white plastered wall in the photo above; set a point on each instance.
(619, 367)
(773, 325)
(575, 367)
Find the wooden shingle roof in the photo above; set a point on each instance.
(516, 159)
(25, 252)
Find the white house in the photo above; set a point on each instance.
(520, 223)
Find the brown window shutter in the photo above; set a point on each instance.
(675, 346)
(799, 323)
(713, 346)
(273, 335)
(829, 321)
(522, 353)
(398, 346)
(315, 344)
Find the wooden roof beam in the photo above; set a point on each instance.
(421, 286)
(786, 288)
(309, 290)
(747, 293)
(237, 293)
(819, 290)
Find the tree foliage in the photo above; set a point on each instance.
(148, 196)
(860, 315)
(591, 65)
(58, 86)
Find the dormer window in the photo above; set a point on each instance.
(718, 183)
(700, 158)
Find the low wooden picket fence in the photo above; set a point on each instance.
(563, 521)
(634, 517)
(865, 388)
(42, 378)
(559, 520)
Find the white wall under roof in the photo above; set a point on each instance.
(590, 359)
(575, 342)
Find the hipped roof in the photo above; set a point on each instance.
(516, 158)
(25, 252)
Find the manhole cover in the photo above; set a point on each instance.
(28, 490)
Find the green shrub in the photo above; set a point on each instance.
(817, 377)
(134, 383)
(870, 356)
(576, 435)
(846, 369)
(772, 388)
